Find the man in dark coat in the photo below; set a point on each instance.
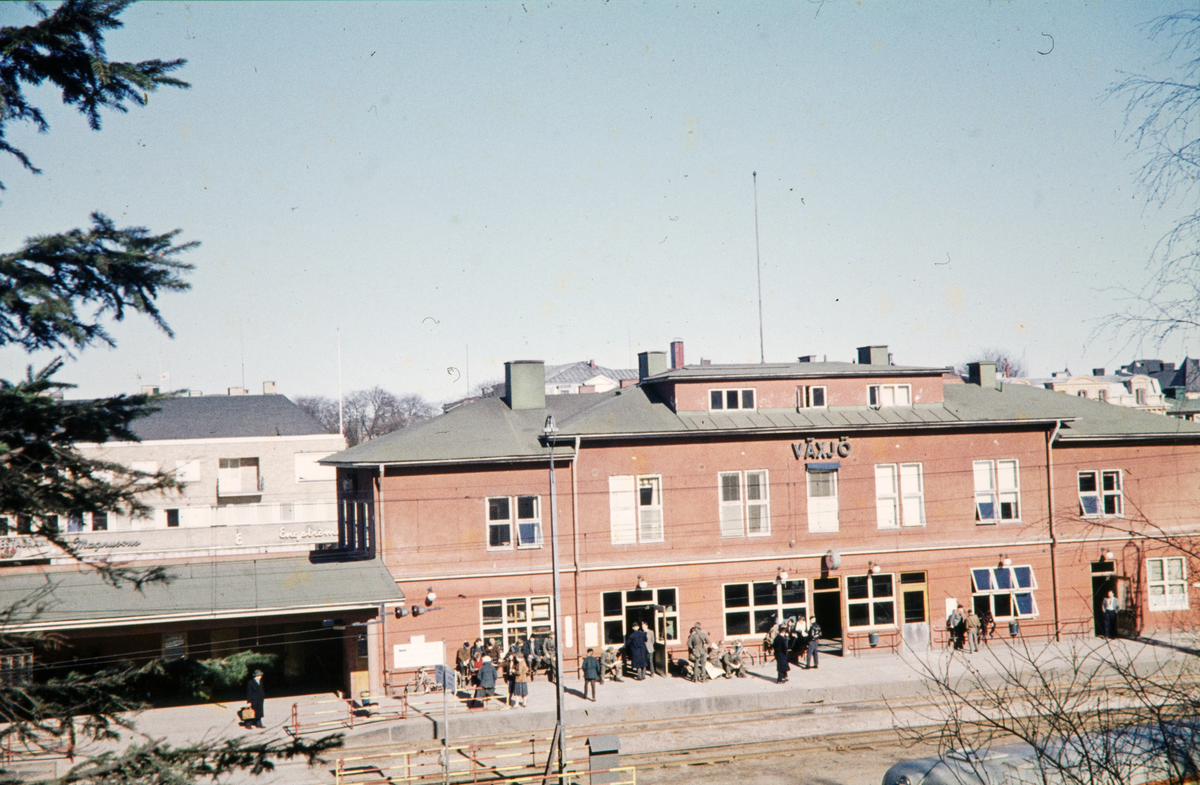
(635, 644)
(255, 696)
(783, 645)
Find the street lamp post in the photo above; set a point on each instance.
(550, 431)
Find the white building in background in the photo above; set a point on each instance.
(249, 484)
(1134, 391)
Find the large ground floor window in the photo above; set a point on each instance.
(659, 607)
(751, 608)
(517, 619)
(1004, 592)
(870, 600)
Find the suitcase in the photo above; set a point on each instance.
(245, 714)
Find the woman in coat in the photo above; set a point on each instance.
(520, 681)
(635, 644)
(783, 645)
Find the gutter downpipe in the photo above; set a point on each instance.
(575, 536)
(1053, 536)
(382, 613)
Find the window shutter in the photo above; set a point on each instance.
(621, 508)
(911, 494)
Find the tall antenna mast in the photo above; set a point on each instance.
(341, 421)
(762, 352)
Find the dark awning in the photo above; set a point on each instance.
(214, 590)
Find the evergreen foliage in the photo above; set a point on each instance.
(58, 292)
(66, 48)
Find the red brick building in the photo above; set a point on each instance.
(868, 495)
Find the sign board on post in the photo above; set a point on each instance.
(410, 656)
(444, 676)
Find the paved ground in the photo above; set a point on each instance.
(844, 695)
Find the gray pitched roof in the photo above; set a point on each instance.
(580, 372)
(222, 589)
(224, 417)
(488, 430)
(1091, 419)
(749, 371)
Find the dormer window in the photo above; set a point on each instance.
(810, 397)
(889, 395)
(722, 400)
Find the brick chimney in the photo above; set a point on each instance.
(676, 353)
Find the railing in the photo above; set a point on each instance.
(1026, 628)
(513, 760)
(885, 640)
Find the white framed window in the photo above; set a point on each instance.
(871, 600)
(145, 467)
(529, 521)
(1005, 592)
(997, 490)
(1100, 494)
(499, 522)
(308, 470)
(744, 503)
(238, 476)
(751, 608)
(879, 395)
(822, 499)
(516, 619)
(810, 397)
(635, 508)
(650, 513)
(500, 511)
(723, 400)
(188, 471)
(899, 495)
(1166, 581)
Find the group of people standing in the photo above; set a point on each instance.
(802, 636)
(483, 664)
(967, 629)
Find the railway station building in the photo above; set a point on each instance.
(873, 497)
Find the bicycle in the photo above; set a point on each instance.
(421, 682)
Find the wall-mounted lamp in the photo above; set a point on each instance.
(1005, 561)
(430, 597)
(1107, 556)
(780, 575)
(641, 584)
(402, 612)
(875, 568)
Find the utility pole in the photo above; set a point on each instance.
(560, 730)
(762, 352)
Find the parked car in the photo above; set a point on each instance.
(1135, 755)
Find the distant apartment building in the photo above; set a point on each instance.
(249, 540)
(1180, 385)
(1135, 391)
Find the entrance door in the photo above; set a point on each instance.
(827, 606)
(913, 590)
(1101, 586)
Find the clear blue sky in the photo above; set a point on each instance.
(566, 181)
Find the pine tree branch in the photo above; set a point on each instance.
(56, 290)
(66, 49)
